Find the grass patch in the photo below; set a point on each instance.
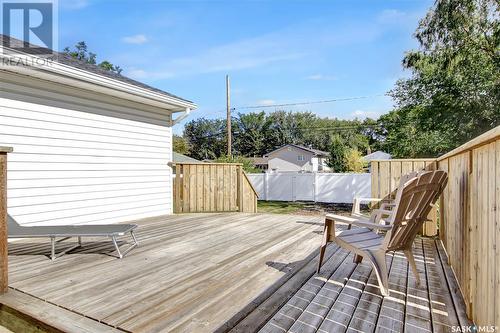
(279, 207)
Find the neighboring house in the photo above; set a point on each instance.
(378, 155)
(90, 146)
(295, 158)
(260, 162)
(181, 158)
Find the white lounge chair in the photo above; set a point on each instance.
(112, 231)
(412, 204)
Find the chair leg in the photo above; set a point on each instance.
(357, 259)
(380, 266)
(116, 247)
(133, 237)
(322, 249)
(52, 248)
(411, 261)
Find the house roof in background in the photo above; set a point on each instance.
(315, 152)
(180, 158)
(378, 155)
(62, 58)
(259, 160)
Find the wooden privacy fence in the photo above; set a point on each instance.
(212, 187)
(385, 175)
(469, 217)
(470, 223)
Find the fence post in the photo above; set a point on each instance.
(315, 186)
(266, 186)
(4, 258)
(239, 188)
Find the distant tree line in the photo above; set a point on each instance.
(451, 96)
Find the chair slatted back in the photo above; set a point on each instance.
(413, 207)
(398, 191)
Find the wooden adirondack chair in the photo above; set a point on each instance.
(412, 205)
(385, 210)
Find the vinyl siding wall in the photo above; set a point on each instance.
(71, 166)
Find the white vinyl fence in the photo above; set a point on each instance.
(319, 187)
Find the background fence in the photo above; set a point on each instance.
(212, 187)
(319, 187)
(385, 176)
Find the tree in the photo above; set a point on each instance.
(180, 145)
(81, 53)
(453, 93)
(207, 138)
(337, 161)
(354, 161)
(247, 164)
(257, 133)
(251, 131)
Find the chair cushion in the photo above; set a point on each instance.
(361, 238)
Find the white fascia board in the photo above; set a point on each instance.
(61, 73)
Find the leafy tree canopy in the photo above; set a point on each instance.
(453, 93)
(257, 133)
(180, 145)
(81, 52)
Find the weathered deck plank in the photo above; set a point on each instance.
(185, 268)
(239, 272)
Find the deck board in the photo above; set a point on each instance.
(232, 272)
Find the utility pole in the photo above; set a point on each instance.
(228, 104)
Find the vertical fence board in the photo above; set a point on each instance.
(212, 187)
(4, 261)
(497, 233)
(375, 180)
(384, 178)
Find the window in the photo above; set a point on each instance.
(300, 158)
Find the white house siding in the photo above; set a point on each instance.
(86, 162)
(286, 159)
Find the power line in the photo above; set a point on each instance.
(297, 103)
(307, 103)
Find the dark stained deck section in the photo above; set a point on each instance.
(229, 272)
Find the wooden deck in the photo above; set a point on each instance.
(231, 271)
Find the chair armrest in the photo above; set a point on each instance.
(360, 222)
(356, 202)
(382, 211)
(356, 210)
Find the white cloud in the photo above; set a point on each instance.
(135, 39)
(319, 77)
(266, 102)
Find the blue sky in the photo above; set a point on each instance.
(274, 51)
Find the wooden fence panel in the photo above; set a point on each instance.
(470, 223)
(385, 179)
(212, 187)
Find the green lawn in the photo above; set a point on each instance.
(279, 207)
